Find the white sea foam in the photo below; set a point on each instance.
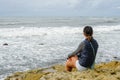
(32, 31)
(35, 31)
(107, 28)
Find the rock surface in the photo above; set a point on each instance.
(102, 71)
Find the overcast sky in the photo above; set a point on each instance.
(59, 7)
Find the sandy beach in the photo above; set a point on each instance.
(102, 71)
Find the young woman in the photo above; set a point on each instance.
(84, 56)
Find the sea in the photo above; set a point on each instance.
(37, 42)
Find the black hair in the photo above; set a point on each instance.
(88, 31)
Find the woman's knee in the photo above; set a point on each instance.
(68, 62)
(74, 59)
(71, 62)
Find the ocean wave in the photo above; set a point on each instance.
(107, 28)
(35, 31)
(43, 31)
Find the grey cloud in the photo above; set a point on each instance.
(74, 7)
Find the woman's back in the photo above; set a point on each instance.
(88, 54)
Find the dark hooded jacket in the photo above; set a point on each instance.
(86, 52)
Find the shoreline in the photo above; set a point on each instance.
(102, 71)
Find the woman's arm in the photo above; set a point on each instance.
(78, 50)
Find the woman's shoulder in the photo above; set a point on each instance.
(94, 40)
